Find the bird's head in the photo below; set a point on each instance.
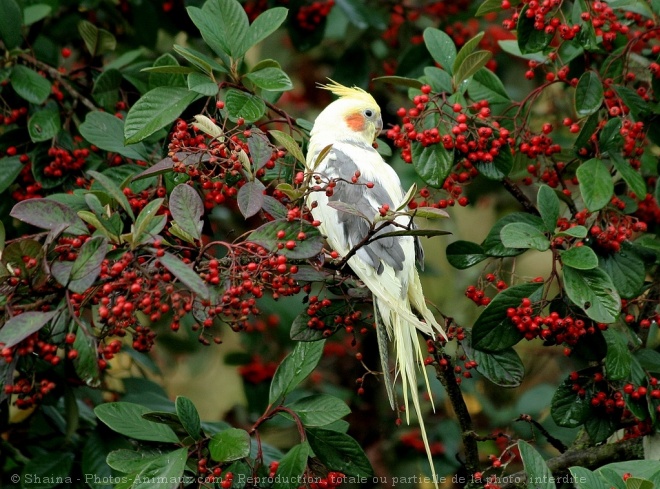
(355, 115)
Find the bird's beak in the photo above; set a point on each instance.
(379, 127)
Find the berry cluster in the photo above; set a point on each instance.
(309, 17)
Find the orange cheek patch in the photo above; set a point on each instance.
(355, 122)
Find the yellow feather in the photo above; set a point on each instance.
(342, 91)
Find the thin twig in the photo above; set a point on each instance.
(514, 190)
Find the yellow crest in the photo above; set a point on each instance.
(345, 92)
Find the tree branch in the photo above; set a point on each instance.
(518, 194)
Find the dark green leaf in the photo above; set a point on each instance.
(295, 367)
(98, 41)
(466, 50)
(596, 184)
(360, 15)
(165, 471)
(199, 60)
(148, 223)
(319, 409)
(588, 94)
(626, 269)
(202, 84)
(260, 149)
(263, 26)
(339, 452)
(548, 204)
(531, 40)
(212, 34)
(129, 461)
(126, 418)
(10, 23)
(618, 360)
(48, 214)
(168, 79)
(231, 25)
(230, 444)
(250, 198)
(583, 141)
(106, 89)
(113, 190)
(266, 236)
(93, 461)
(245, 105)
(29, 85)
(11, 168)
(270, 78)
(432, 163)
(107, 132)
(154, 110)
(499, 168)
(538, 473)
(503, 368)
(290, 144)
(631, 99)
(575, 232)
(523, 235)
(493, 331)
(493, 246)
(20, 327)
(600, 427)
(187, 209)
(186, 275)
(610, 138)
(439, 80)
(86, 363)
(44, 125)
(511, 47)
(189, 417)
(291, 468)
(441, 47)
(586, 479)
(87, 266)
(300, 331)
(490, 6)
(464, 254)
(400, 81)
(636, 482)
(568, 409)
(485, 85)
(580, 257)
(631, 176)
(593, 291)
(470, 65)
(43, 471)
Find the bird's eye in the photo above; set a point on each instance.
(368, 112)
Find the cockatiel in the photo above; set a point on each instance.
(350, 126)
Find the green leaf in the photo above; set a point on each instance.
(295, 368)
(493, 331)
(588, 94)
(126, 418)
(106, 88)
(626, 269)
(260, 148)
(263, 26)
(44, 124)
(439, 80)
(631, 176)
(11, 168)
(583, 140)
(87, 266)
(48, 214)
(29, 85)
(467, 49)
(538, 473)
(189, 417)
(441, 47)
(199, 60)
(636, 482)
(231, 25)
(548, 204)
(464, 254)
(165, 471)
(503, 368)
(154, 110)
(98, 41)
(86, 363)
(400, 81)
(531, 40)
(485, 85)
(580, 257)
(270, 78)
(20, 327)
(610, 138)
(107, 132)
(202, 84)
(600, 427)
(230, 444)
(10, 24)
(593, 291)
(432, 163)
(34, 13)
(618, 360)
(113, 190)
(339, 452)
(499, 168)
(94, 454)
(129, 461)
(245, 105)
(319, 409)
(147, 224)
(523, 235)
(631, 99)
(40, 471)
(493, 246)
(266, 236)
(596, 184)
(250, 198)
(575, 232)
(511, 47)
(586, 479)
(283, 139)
(187, 209)
(292, 467)
(186, 275)
(568, 409)
(470, 65)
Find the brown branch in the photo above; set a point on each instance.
(53, 73)
(589, 458)
(518, 194)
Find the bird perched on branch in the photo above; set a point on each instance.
(356, 201)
